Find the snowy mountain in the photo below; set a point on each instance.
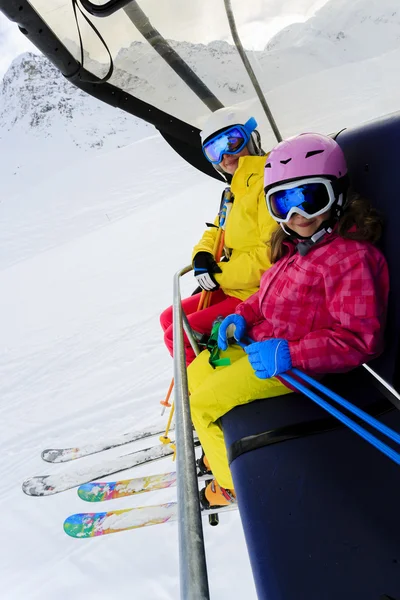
(338, 34)
(35, 97)
(46, 122)
(348, 28)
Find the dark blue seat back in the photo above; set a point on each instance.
(321, 513)
(373, 156)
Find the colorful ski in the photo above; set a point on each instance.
(59, 455)
(87, 525)
(45, 485)
(99, 491)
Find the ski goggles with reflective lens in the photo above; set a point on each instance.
(229, 141)
(307, 197)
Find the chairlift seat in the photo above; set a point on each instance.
(320, 512)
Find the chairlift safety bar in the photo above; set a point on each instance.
(192, 558)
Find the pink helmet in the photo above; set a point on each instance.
(304, 155)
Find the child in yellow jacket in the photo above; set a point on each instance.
(232, 144)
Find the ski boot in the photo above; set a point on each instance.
(215, 496)
(203, 466)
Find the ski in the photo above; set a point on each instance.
(60, 455)
(45, 485)
(99, 491)
(87, 525)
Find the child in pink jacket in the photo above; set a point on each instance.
(321, 307)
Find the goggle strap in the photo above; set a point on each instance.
(250, 125)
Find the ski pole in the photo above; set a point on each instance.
(366, 435)
(164, 438)
(386, 431)
(219, 241)
(205, 297)
(220, 249)
(335, 412)
(166, 402)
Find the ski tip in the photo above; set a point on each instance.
(90, 492)
(84, 525)
(26, 487)
(51, 455)
(37, 486)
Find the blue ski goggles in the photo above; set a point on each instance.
(229, 141)
(309, 197)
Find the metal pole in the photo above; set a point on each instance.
(394, 395)
(189, 333)
(161, 45)
(249, 69)
(192, 558)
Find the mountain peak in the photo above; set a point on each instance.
(41, 111)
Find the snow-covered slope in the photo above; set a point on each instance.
(93, 225)
(85, 273)
(82, 357)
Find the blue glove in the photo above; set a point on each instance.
(269, 358)
(237, 327)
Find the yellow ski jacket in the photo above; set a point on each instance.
(248, 229)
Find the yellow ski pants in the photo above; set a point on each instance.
(214, 392)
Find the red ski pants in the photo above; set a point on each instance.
(200, 321)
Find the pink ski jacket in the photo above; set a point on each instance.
(330, 305)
